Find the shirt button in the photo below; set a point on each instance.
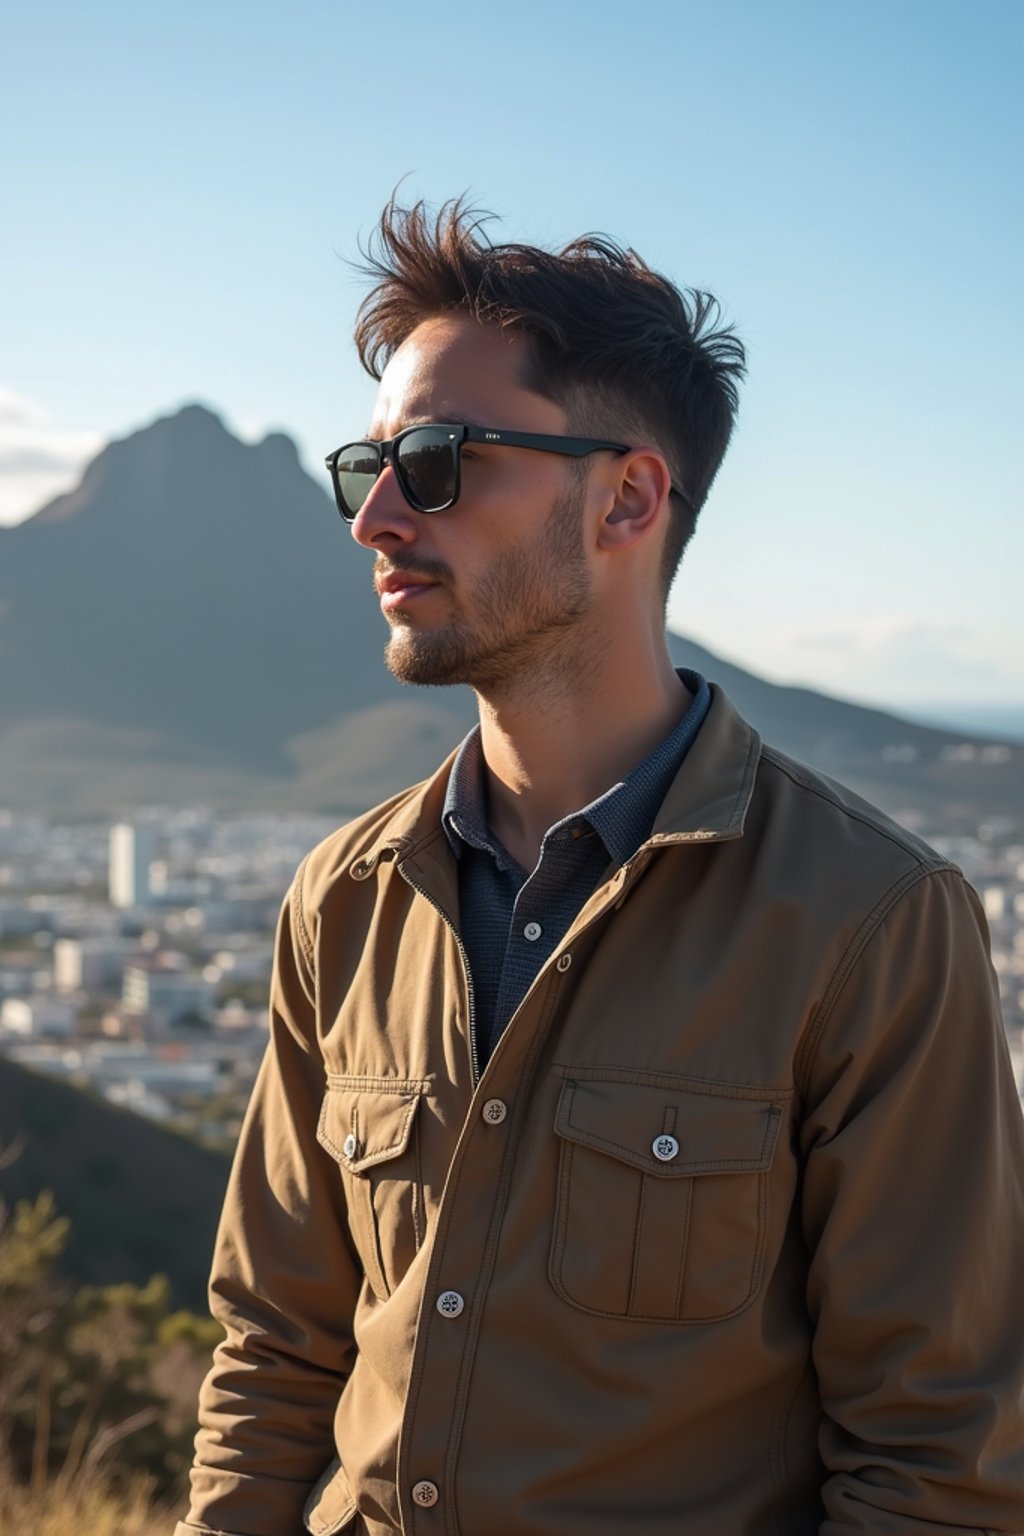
(664, 1148)
(494, 1111)
(350, 1147)
(450, 1303)
(425, 1493)
(563, 962)
(532, 931)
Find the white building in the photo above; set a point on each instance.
(165, 995)
(89, 965)
(131, 853)
(31, 1017)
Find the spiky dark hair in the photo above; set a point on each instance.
(625, 352)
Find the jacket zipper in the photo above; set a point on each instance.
(474, 1056)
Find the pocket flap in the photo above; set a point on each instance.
(697, 1130)
(330, 1506)
(367, 1120)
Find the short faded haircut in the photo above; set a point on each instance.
(620, 348)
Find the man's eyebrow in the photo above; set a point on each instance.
(449, 419)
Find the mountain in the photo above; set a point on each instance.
(194, 624)
(182, 622)
(193, 587)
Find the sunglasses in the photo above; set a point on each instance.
(427, 462)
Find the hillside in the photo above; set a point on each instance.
(141, 1199)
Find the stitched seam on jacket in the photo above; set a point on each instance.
(643, 1164)
(381, 1154)
(558, 1244)
(396, 1085)
(638, 1237)
(812, 787)
(755, 752)
(807, 1049)
(489, 1256)
(684, 1248)
(717, 1087)
(300, 919)
(777, 1444)
(209, 1530)
(412, 849)
(564, 1125)
(756, 1270)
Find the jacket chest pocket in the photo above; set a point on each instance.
(662, 1196)
(368, 1125)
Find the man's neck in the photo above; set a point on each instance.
(551, 747)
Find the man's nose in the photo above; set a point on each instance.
(385, 516)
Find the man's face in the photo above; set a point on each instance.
(497, 587)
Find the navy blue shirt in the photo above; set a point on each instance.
(511, 921)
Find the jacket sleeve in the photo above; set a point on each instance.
(913, 1211)
(284, 1283)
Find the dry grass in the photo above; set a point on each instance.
(84, 1503)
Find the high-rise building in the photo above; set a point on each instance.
(131, 851)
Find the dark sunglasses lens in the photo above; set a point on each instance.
(427, 465)
(356, 472)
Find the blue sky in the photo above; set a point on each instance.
(179, 186)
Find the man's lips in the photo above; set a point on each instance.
(401, 587)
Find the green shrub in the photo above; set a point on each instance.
(98, 1384)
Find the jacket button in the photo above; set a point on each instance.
(494, 1111)
(350, 1146)
(664, 1148)
(532, 931)
(425, 1493)
(450, 1303)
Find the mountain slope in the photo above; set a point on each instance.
(140, 1198)
(194, 624)
(195, 587)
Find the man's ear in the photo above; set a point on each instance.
(640, 486)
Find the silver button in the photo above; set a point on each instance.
(494, 1111)
(425, 1493)
(563, 962)
(351, 1146)
(450, 1303)
(664, 1148)
(532, 931)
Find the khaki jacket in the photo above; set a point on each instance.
(728, 1237)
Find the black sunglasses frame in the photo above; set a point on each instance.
(388, 452)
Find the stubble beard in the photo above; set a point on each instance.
(528, 600)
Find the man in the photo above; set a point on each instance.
(636, 1148)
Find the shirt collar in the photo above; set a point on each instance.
(622, 816)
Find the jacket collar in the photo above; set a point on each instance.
(707, 800)
(709, 797)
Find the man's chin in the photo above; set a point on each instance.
(422, 666)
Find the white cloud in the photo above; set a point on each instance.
(15, 410)
(888, 657)
(37, 460)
